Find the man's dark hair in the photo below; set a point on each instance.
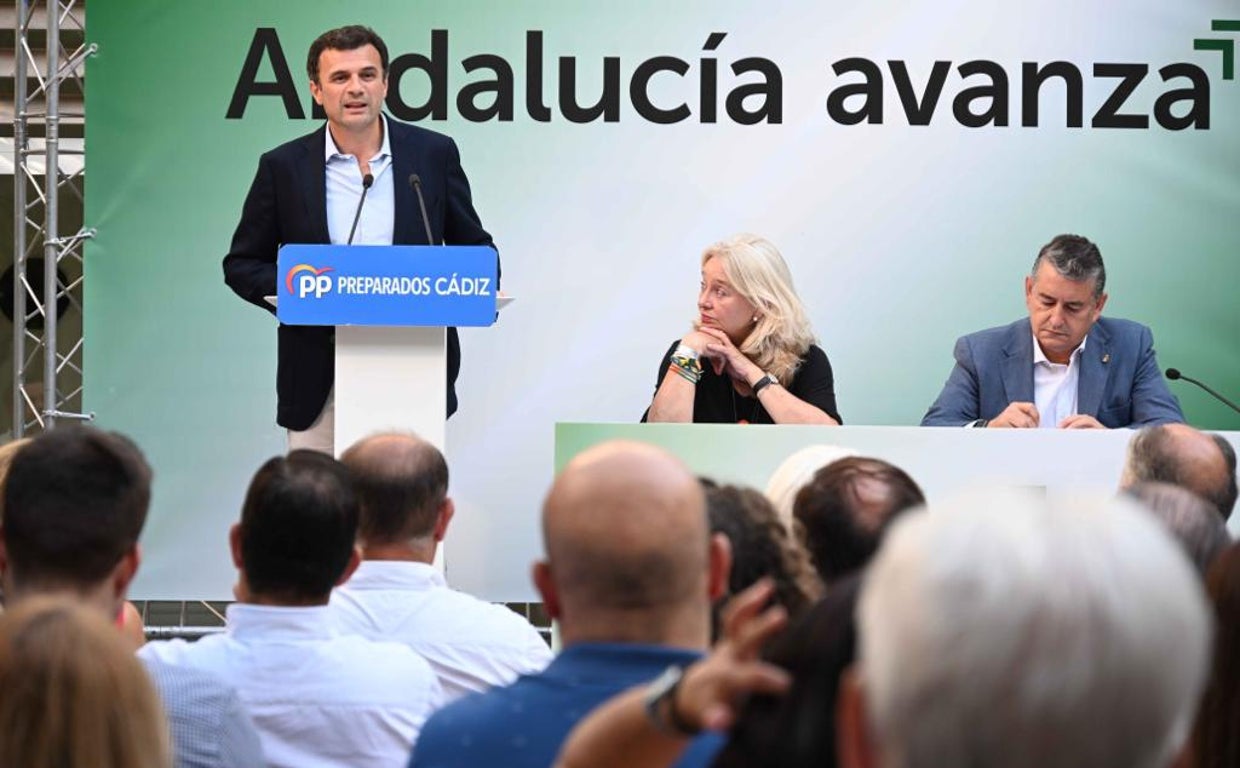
(797, 728)
(761, 546)
(298, 523)
(1227, 497)
(348, 38)
(1153, 455)
(845, 509)
(401, 484)
(1076, 258)
(75, 501)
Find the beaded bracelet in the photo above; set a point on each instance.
(687, 367)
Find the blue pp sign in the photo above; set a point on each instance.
(386, 285)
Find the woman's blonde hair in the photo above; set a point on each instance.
(73, 695)
(782, 334)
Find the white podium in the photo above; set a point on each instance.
(391, 306)
(390, 378)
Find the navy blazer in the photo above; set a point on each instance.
(287, 203)
(1120, 382)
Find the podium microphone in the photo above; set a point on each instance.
(1174, 373)
(367, 180)
(415, 181)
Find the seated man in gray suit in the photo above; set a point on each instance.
(1065, 366)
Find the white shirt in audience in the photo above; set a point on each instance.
(472, 645)
(317, 697)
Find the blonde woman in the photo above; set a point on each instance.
(73, 693)
(751, 356)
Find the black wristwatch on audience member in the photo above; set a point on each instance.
(660, 700)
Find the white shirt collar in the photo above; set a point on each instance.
(395, 574)
(331, 150)
(1039, 357)
(313, 622)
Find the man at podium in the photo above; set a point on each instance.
(1065, 366)
(362, 179)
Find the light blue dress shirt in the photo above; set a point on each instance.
(344, 190)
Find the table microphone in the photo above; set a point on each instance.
(1174, 373)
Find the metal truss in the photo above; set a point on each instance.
(39, 179)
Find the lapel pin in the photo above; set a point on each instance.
(1106, 358)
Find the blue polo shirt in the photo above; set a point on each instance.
(523, 725)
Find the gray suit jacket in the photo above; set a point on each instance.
(1120, 383)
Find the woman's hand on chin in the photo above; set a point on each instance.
(731, 359)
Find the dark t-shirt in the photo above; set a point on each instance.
(717, 402)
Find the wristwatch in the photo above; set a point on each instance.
(660, 699)
(762, 383)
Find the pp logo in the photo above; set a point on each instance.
(309, 280)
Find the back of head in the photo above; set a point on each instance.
(1216, 740)
(761, 546)
(758, 272)
(401, 483)
(298, 525)
(845, 509)
(625, 531)
(797, 728)
(794, 472)
(1183, 456)
(75, 501)
(74, 696)
(1229, 494)
(1193, 522)
(1003, 630)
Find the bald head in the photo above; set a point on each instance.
(1183, 456)
(625, 531)
(401, 482)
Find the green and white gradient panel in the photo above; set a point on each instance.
(900, 238)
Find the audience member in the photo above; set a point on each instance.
(318, 698)
(397, 594)
(797, 729)
(75, 501)
(1216, 738)
(1187, 516)
(74, 696)
(651, 725)
(761, 546)
(630, 573)
(1183, 456)
(1229, 496)
(845, 509)
(8, 451)
(131, 625)
(1003, 630)
(795, 471)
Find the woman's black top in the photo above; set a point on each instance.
(717, 401)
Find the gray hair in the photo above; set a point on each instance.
(1188, 517)
(1001, 629)
(1075, 258)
